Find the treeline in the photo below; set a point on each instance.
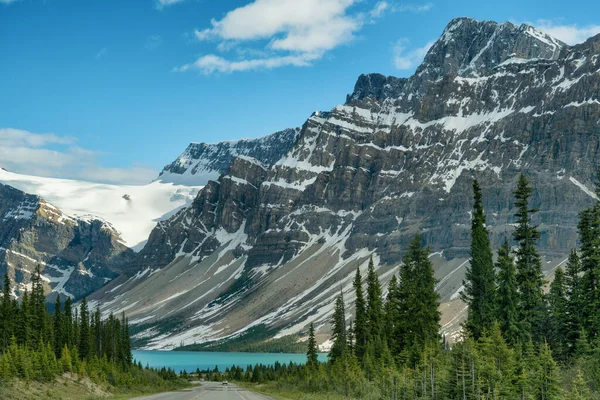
(38, 345)
(518, 342)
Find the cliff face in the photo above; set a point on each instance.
(202, 162)
(272, 241)
(76, 256)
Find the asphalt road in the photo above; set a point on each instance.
(209, 391)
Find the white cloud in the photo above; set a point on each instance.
(58, 156)
(296, 32)
(212, 63)
(379, 9)
(405, 58)
(164, 3)
(414, 8)
(570, 34)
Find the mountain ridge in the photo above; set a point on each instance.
(273, 244)
(201, 162)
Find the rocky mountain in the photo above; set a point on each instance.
(202, 162)
(76, 256)
(270, 243)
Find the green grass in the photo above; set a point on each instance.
(280, 391)
(69, 387)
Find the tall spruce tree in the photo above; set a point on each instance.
(418, 315)
(575, 299)
(480, 282)
(84, 330)
(557, 303)
(547, 378)
(507, 296)
(360, 320)
(374, 303)
(340, 342)
(7, 313)
(589, 236)
(68, 324)
(391, 308)
(530, 279)
(58, 326)
(312, 357)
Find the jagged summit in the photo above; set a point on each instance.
(470, 48)
(202, 162)
(467, 48)
(271, 243)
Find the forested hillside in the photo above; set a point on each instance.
(37, 345)
(524, 338)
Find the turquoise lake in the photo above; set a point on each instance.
(190, 360)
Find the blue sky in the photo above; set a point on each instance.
(112, 91)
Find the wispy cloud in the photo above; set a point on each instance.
(101, 53)
(297, 33)
(212, 63)
(52, 155)
(414, 8)
(569, 33)
(164, 3)
(8, 1)
(406, 58)
(379, 9)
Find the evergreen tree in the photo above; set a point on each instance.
(418, 316)
(7, 313)
(312, 357)
(58, 326)
(527, 367)
(575, 299)
(339, 339)
(374, 303)
(127, 358)
(580, 390)
(557, 302)
(84, 330)
(391, 312)
(480, 282)
(589, 236)
(495, 364)
(350, 338)
(97, 333)
(360, 320)
(37, 309)
(23, 326)
(530, 280)
(507, 295)
(547, 379)
(67, 328)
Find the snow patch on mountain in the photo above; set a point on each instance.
(132, 210)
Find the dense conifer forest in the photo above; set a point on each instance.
(37, 345)
(523, 338)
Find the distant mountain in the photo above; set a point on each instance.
(76, 256)
(68, 233)
(270, 242)
(202, 162)
(133, 210)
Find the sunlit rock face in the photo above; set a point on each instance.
(273, 241)
(76, 256)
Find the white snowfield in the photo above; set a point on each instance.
(132, 210)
